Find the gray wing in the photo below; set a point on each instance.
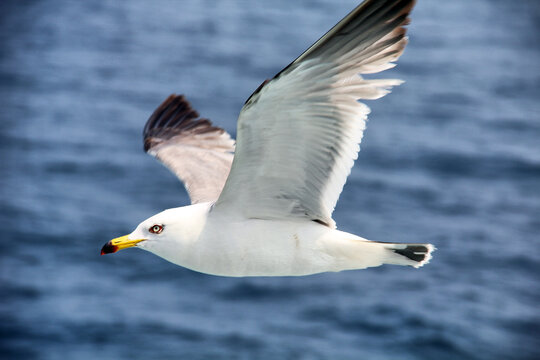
(197, 152)
(299, 134)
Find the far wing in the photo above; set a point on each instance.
(197, 152)
(299, 134)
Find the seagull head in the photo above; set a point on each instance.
(163, 233)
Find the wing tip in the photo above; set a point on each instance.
(173, 117)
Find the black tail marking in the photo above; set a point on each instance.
(414, 252)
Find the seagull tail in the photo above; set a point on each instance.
(415, 255)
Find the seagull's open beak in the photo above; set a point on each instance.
(119, 243)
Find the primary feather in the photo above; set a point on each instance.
(199, 153)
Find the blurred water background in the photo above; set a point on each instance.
(451, 157)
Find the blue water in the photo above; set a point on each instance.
(451, 157)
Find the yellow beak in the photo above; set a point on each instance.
(119, 243)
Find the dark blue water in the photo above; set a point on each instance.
(451, 157)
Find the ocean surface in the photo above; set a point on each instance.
(451, 157)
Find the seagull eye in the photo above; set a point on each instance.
(156, 229)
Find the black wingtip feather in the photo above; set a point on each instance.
(371, 16)
(173, 117)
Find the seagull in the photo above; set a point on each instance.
(263, 206)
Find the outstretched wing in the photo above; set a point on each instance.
(197, 152)
(299, 134)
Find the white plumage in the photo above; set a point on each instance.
(270, 213)
(310, 112)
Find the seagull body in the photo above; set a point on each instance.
(218, 244)
(263, 206)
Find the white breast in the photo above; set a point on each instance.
(253, 247)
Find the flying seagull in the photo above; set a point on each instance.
(265, 207)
